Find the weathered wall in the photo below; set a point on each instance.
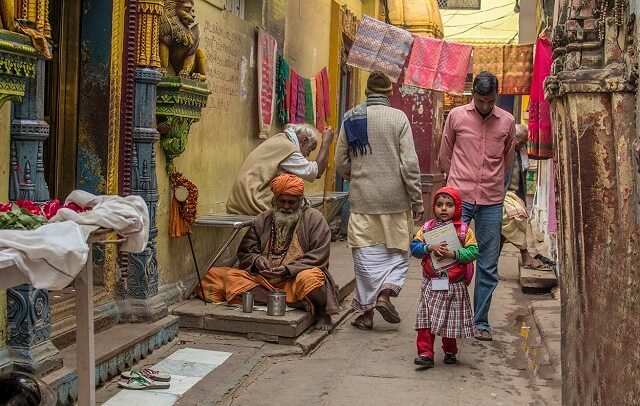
(228, 130)
(592, 87)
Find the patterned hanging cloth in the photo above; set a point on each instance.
(308, 98)
(325, 92)
(281, 91)
(518, 64)
(302, 101)
(267, 66)
(540, 145)
(321, 120)
(293, 97)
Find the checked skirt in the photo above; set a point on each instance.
(445, 313)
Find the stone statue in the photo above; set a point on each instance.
(180, 40)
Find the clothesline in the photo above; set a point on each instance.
(437, 64)
(302, 100)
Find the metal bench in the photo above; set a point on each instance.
(237, 222)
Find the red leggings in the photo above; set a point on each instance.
(425, 343)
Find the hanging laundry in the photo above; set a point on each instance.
(293, 97)
(491, 59)
(267, 64)
(314, 100)
(518, 65)
(540, 145)
(380, 47)
(308, 98)
(325, 92)
(438, 65)
(302, 101)
(321, 120)
(281, 91)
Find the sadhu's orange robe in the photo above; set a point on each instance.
(307, 260)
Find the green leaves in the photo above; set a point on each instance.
(20, 219)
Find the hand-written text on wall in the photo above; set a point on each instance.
(223, 48)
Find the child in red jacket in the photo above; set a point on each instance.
(445, 308)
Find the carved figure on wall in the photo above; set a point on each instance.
(180, 40)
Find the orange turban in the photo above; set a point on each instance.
(287, 184)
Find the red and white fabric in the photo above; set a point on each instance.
(445, 313)
(267, 66)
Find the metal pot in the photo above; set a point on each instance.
(276, 305)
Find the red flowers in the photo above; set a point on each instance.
(48, 209)
(5, 207)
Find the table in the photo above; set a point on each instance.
(85, 346)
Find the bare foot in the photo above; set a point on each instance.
(324, 322)
(301, 305)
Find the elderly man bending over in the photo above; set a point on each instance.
(287, 152)
(286, 249)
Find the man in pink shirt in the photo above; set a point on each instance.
(476, 153)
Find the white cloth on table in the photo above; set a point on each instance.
(52, 255)
(128, 216)
(49, 257)
(377, 268)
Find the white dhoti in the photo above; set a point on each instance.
(378, 268)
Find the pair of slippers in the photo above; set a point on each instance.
(146, 378)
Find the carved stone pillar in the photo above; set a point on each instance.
(143, 302)
(592, 89)
(29, 314)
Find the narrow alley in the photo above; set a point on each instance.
(376, 367)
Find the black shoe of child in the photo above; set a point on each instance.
(450, 358)
(424, 361)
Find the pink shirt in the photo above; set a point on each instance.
(475, 153)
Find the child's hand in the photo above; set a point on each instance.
(439, 249)
(447, 253)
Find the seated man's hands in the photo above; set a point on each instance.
(276, 275)
(261, 264)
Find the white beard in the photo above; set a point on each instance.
(284, 223)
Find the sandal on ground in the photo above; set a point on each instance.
(545, 260)
(483, 335)
(540, 267)
(359, 324)
(388, 312)
(148, 373)
(139, 382)
(450, 358)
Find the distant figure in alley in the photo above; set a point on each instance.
(444, 309)
(476, 153)
(375, 153)
(286, 249)
(287, 152)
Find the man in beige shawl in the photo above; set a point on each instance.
(287, 152)
(286, 249)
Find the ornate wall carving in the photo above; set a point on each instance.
(149, 13)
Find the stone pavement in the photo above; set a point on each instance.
(376, 367)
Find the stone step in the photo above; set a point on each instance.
(194, 314)
(534, 281)
(116, 350)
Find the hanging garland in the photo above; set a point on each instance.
(184, 205)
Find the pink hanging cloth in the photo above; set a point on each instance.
(267, 66)
(540, 144)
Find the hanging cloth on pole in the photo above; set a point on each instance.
(540, 145)
(267, 65)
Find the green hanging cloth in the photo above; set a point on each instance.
(281, 91)
(309, 114)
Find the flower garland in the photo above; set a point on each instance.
(29, 215)
(188, 208)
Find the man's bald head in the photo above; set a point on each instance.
(522, 135)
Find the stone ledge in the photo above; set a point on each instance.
(117, 349)
(533, 281)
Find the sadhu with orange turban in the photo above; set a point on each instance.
(287, 184)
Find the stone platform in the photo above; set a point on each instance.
(117, 349)
(534, 281)
(230, 319)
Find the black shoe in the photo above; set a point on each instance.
(424, 361)
(450, 358)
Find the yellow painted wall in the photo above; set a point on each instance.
(495, 22)
(228, 129)
(4, 197)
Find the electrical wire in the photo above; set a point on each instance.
(510, 14)
(475, 12)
